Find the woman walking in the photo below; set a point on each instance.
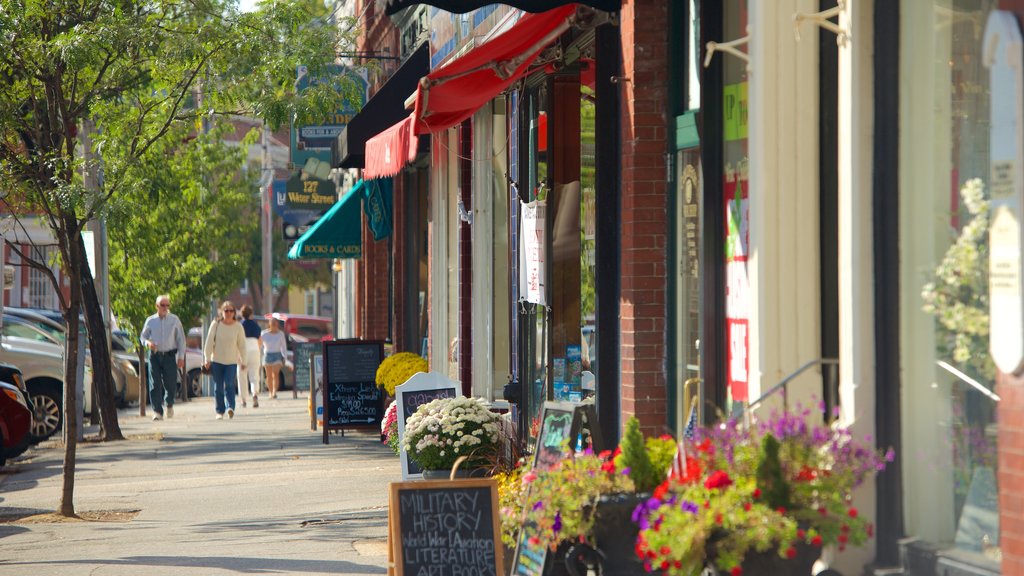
(274, 348)
(249, 375)
(224, 353)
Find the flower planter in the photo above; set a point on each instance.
(769, 563)
(614, 539)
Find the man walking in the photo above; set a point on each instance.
(163, 335)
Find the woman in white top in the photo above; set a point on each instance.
(224, 353)
(274, 349)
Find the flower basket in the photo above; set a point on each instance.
(443, 431)
(760, 499)
(398, 368)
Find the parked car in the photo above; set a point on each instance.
(39, 329)
(194, 362)
(11, 374)
(15, 422)
(312, 328)
(43, 372)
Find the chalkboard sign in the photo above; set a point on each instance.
(303, 351)
(530, 558)
(562, 425)
(417, 391)
(351, 398)
(446, 528)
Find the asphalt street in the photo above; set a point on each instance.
(256, 494)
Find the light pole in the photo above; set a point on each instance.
(266, 190)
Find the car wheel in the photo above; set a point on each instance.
(47, 411)
(195, 383)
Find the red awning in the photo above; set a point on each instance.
(453, 92)
(389, 151)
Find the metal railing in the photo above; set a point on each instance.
(783, 385)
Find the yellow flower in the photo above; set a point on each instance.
(398, 368)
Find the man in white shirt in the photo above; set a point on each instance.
(163, 335)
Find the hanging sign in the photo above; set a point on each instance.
(531, 255)
(1003, 49)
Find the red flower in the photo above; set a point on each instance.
(822, 511)
(704, 446)
(718, 518)
(718, 479)
(806, 474)
(665, 550)
(844, 528)
(747, 506)
(664, 564)
(661, 490)
(736, 571)
(790, 552)
(780, 510)
(677, 564)
(852, 512)
(757, 492)
(816, 540)
(843, 538)
(605, 454)
(608, 467)
(871, 530)
(801, 534)
(666, 437)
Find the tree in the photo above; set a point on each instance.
(133, 71)
(196, 202)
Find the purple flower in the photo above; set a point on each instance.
(690, 507)
(556, 527)
(626, 470)
(538, 505)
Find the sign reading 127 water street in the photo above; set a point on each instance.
(314, 140)
(1004, 50)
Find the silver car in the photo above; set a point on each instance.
(43, 371)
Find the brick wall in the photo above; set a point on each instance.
(644, 226)
(374, 287)
(1011, 472)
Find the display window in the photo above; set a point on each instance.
(949, 408)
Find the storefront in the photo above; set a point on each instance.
(950, 424)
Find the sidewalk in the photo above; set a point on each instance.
(197, 496)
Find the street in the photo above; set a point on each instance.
(259, 493)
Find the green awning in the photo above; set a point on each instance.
(337, 234)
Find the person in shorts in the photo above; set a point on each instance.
(274, 349)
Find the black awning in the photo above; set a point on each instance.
(384, 109)
(463, 6)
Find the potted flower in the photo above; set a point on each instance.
(588, 498)
(760, 499)
(446, 429)
(398, 368)
(389, 427)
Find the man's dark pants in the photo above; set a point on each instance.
(163, 379)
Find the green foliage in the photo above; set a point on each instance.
(770, 481)
(957, 292)
(560, 504)
(186, 217)
(141, 80)
(634, 457)
(770, 486)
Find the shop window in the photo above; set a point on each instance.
(949, 422)
(736, 196)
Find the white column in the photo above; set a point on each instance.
(784, 259)
(856, 249)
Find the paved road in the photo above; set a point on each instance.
(259, 494)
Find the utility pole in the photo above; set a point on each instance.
(266, 191)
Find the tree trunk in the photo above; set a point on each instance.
(102, 379)
(72, 410)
